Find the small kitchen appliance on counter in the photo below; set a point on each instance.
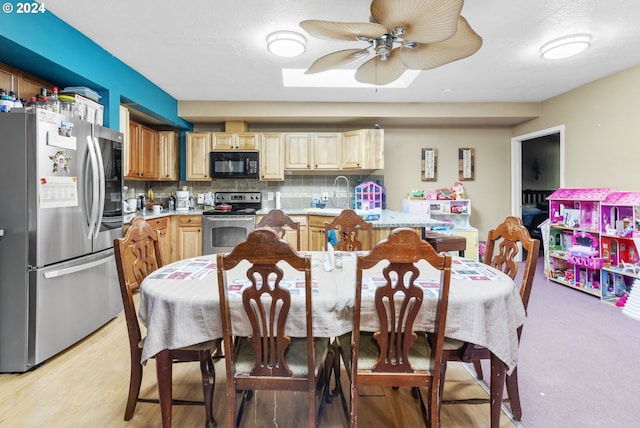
(182, 200)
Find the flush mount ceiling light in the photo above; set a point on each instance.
(565, 47)
(286, 43)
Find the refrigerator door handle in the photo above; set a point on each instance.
(101, 187)
(95, 188)
(79, 268)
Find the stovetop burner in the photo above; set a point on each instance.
(241, 203)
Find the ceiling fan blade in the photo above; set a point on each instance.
(464, 43)
(348, 31)
(378, 72)
(336, 59)
(424, 21)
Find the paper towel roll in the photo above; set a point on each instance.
(278, 204)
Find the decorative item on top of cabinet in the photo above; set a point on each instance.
(272, 156)
(143, 152)
(234, 141)
(197, 162)
(168, 156)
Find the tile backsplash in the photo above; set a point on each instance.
(296, 191)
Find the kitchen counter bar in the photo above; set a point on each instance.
(388, 218)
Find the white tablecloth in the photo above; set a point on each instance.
(179, 304)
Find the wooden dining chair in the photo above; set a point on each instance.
(280, 223)
(397, 355)
(349, 228)
(269, 359)
(137, 255)
(504, 244)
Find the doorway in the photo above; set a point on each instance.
(549, 170)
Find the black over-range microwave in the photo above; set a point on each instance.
(234, 164)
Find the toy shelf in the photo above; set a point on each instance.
(594, 238)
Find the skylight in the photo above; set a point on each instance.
(295, 78)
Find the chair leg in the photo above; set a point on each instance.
(498, 371)
(514, 395)
(163, 373)
(208, 372)
(337, 390)
(477, 365)
(135, 381)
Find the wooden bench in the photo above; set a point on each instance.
(441, 242)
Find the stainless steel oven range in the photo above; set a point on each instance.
(230, 222)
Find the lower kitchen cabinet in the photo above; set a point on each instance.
(290, 235)
(188, 236)
(161, 226)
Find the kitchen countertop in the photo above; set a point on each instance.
(388, 218)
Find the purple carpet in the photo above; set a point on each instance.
(579, 361)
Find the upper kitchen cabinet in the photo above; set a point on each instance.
(272, 156)
(198, 148)
(334, 151)
(234, 141)
(297, 150)
(363, 149)
(143, 152)
(23, 84)
(312, 151)
(326, 150)
(168, 156)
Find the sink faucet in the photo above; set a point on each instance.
(335, 193)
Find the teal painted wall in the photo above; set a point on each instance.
(43, 45)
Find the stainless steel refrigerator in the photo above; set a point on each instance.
(61, 209)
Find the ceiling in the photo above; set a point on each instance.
(216, 51)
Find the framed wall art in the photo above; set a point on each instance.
(466, 164)
(429, 164)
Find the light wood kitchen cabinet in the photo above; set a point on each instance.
(188, 236)
(326, 150)
(272, 156)
(363, 149)
(290, 235)
(234, 141)
(298, 150)
(316, 235)
(168, 156)
(161, 226)
(197, 162)
(23, 84)
(143, 152)
(126, 143)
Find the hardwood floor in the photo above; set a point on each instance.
(86, 386)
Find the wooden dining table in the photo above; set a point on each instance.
(179, 306)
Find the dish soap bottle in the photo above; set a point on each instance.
(315, 201)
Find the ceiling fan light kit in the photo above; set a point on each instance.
(286, 43)
(408, 34)
(565, 47)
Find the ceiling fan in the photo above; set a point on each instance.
(403, 34)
